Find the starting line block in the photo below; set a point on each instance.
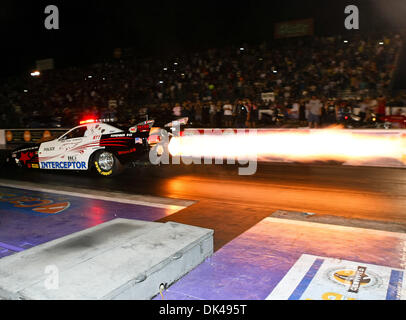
(119, 259)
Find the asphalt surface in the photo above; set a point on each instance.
(231, 204)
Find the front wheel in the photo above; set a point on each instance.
(107, 164)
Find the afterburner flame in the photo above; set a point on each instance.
(293, 145)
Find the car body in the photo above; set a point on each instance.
(395, 121)
(105, 147)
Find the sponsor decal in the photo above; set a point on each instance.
(52, 208)
(33, 204)
(67, 146)
(127, 151)
(104, 173)
(26, 156)
(49, 149)
(353, 278)
(320, 278)
(64, 165)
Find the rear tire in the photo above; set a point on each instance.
(106, 164)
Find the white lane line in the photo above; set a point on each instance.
(337, 227)
(292, 278)
(155, 202)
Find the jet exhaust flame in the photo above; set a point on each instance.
(293, 145)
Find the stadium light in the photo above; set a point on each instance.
(345, 41)
(35, 73)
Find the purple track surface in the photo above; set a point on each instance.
(21, 227)
(252, 265)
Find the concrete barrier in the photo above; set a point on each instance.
(119, 259)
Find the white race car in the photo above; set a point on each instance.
(93, 144)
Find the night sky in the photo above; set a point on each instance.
(91, 29)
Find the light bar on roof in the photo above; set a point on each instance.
(88, 121)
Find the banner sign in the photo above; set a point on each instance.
(2, 137)
(45, 64)
(268, 96)
(296, 28)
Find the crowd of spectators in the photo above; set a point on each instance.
(215, 88)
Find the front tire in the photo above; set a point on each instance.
(107, 164)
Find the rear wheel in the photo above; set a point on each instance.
(107, 164)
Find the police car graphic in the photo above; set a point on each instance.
(93, 144)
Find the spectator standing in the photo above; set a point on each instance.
(228, 115)
(219, 115)
(67, 118)
(323, 115)
(198, 112)
(399, 112)
(331, 113)
(302, 113)
(205, 114)
(294, 111)
(381, 106)
(314, 109)
(242, 113)
(177, 110)
(253, 115)
(363, 108)
(212, 113)
(192, 113)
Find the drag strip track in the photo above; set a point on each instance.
(231, 204)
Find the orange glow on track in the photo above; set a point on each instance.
(292, 145)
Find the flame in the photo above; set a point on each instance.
(292, 145)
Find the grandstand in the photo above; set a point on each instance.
(293, 70)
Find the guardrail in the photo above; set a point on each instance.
(26, 136)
